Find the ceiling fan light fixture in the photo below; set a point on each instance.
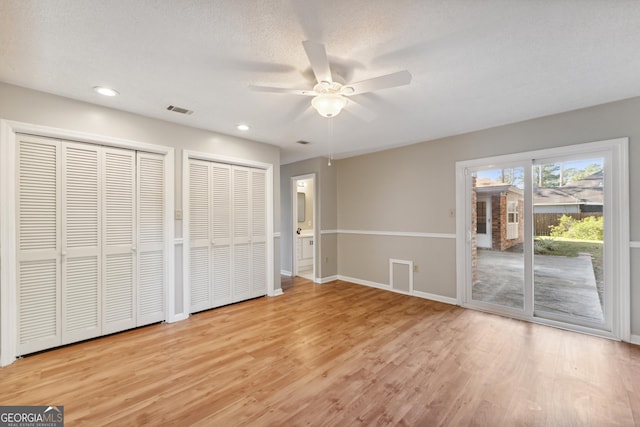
(329, 104)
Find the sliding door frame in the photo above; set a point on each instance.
(617, 231)
(8, 219)
(468, 302)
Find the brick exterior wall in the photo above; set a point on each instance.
(499, 241)
(498, 207)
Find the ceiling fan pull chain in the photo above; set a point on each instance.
(329, 136)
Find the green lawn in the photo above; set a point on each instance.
(559, 246)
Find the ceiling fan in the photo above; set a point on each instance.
(329, 96)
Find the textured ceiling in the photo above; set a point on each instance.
(475, 64)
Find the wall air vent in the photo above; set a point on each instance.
(179, 110)
(302, 142)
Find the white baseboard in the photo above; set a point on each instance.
(178, 317)
(277, 292)
(286, 273)
(365, 282)
(327, 279)
(434, 297)
(385, 287)
(635, 339)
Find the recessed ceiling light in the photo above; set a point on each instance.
(106, 91)
(242, 127)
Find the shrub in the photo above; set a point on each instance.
(589, 228)
(542, 246)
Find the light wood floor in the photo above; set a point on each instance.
(336, 354)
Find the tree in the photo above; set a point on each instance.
(569, 175)
(587, 171)
(513, 176)
(547, 175)
(589, 228)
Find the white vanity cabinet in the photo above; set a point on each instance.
(304, 250)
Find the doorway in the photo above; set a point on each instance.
(559, 224)
(483, 222)
(304, 226)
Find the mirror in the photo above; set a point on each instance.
(301, 204)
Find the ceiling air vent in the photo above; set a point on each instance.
(179, 110)
(302, 142)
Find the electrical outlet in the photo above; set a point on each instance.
(415, 268)
(178, 214)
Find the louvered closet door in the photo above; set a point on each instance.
(118, 237)
(241, 234)
(38, 244)
(222, 236)
(200, 235)
(81, 241)
(151, 257)
(258, 233)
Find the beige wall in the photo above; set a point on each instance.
(325, 196)
(366, 258)
(411, 189)
(23, 105)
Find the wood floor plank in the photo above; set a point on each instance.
(333, 355)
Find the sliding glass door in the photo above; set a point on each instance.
(570, 212)
(538, 239)
(497, 227)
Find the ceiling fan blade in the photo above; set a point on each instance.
(317, 55)
(308, 14)
(282, 90)
(400, 78)
(360, 111)
(298, 111)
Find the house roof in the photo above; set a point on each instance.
(486, 185)
(586, 191)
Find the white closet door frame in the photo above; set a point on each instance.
(268, 168)
(8, 220)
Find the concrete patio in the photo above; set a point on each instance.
(563, 285)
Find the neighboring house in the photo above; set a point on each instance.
(584, 196)
(497, 215)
